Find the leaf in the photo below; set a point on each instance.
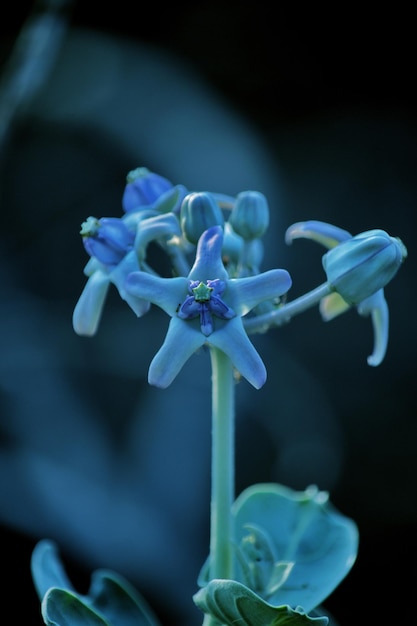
(47, 570)
(305, 529)
(232, 603)
(63, 608)
(119, 602)
(111, 600)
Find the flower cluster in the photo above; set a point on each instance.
(216, 294)
(275, 554)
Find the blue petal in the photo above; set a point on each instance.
(88, 310)
(155, 228)
(114, 231)
(118, 277)
(321, 232)
(246, 293)
(167, 293)
(92, 265)
(100, 249)
(377, 307)
(181, 341)
(233, 341)
(208, 261)
(108, 239)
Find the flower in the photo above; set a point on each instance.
(206, 308)
(107, 239)
(357, 268)
(117, 247)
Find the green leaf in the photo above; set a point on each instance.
(291, 547)
(306, 530)
(111, 600)
(232, 603)
(47, 570)
(119, 602)
(63, 608)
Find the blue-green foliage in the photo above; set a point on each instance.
(232, 603)
(110, 601)
(292, 550)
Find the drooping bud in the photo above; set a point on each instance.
(143, 188)
(107, 239)
(250, 215)
(360, 266)
(199, 211)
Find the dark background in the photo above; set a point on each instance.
(315, 108)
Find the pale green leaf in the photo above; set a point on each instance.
(306, 530)
(231, 603)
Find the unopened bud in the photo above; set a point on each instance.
(143, 188)
(360, 266)
(250, 215)
(199, 211)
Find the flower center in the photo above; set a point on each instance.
(202, 293)
(205, 302)
(90, 227)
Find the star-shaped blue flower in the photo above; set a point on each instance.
(206, 308)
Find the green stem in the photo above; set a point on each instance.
(222, 489)
(286, 312)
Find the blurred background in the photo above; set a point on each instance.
(317, 110)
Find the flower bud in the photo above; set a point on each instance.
(143, 188)
(107, 239)
(199, 211)
(250, 215)
(362, 265)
